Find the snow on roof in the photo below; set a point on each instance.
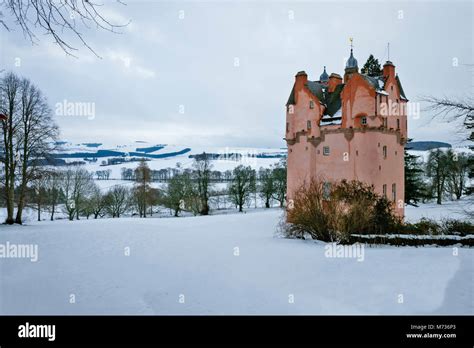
(329, 121)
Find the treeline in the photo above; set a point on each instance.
(75, 194)
(444, 176)
(165, 174)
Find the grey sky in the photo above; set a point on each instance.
(162, 61)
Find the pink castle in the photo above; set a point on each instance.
(352, 129)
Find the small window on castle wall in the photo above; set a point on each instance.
(391, 87)
(384, 190)
(394, 192)
(311, 104)
(363, 121)
(326, 150)
(398, 123)
(287, 126)
(385, 152)
(308, 124)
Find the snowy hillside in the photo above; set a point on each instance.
(162, 155)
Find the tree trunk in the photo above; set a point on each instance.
(53, 206)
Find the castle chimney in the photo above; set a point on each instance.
(388, 70)
(334, 80)
(301, 79)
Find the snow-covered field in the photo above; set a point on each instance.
(222, 264)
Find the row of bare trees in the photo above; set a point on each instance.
(192, 189)
(28, 134)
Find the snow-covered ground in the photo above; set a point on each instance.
(455, 209)
(222, 264)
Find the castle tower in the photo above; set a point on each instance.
(353, 128)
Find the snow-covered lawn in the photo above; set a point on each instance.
(222, 264)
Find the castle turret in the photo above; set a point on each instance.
(324, 78)
(351, 67)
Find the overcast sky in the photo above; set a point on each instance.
(212, 73)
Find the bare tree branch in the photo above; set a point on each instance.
(58, 18)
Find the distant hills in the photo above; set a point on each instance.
(426, 145)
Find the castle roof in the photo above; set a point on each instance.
(332, 100)
(351, 62)
(400, 88)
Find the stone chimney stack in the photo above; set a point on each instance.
(334, 81)
(301, 79)
(388, 70)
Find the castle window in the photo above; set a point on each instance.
(326, 150)
(384, 120)
(384, 190)
(391, 88)
(398, 123)
(394, 192)
(311, 104)
(287, 127)
(385, 152)
(308, 124)
(363, 121)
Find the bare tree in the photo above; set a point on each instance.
(279, 182)
(141, 191)
(451, 109)
(10, 87)
(58, 18)
(437, 167)
(52, 183)
(202, 175)
(456, 109)
(76, 184)
(177, 193)
(266, 185)
(242, 185)
(36, 133)
(96, 202)
(458, 167)
(117, 201)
